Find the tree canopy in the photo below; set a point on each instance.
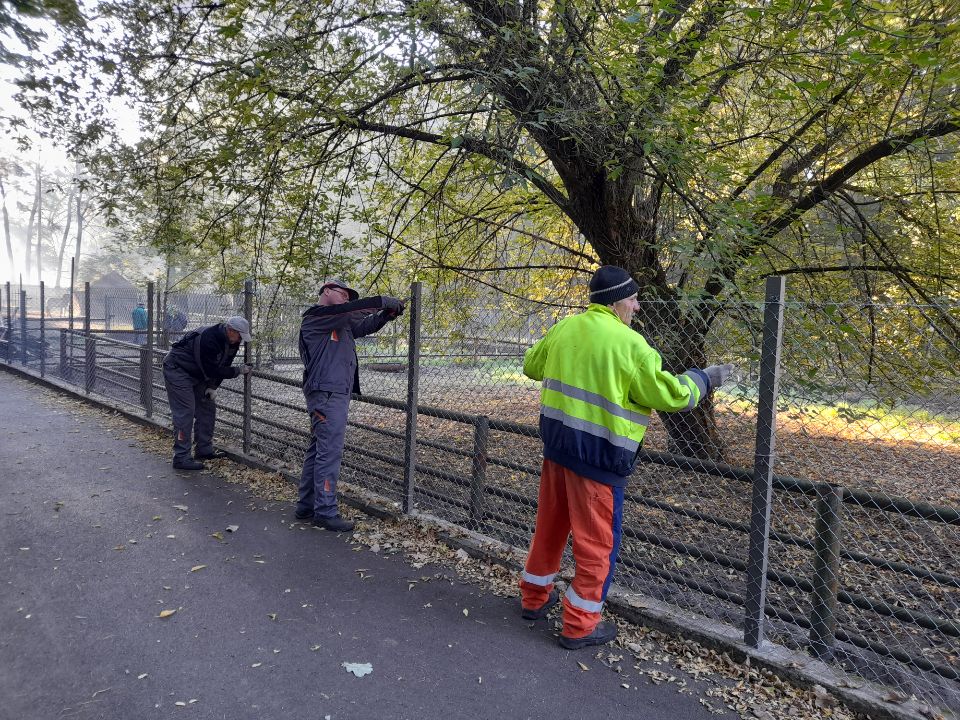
(680, 139)
(699, 143)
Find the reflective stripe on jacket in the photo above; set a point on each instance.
(601, 382)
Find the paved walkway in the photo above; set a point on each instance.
(93, 547)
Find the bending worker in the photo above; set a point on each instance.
(330, 374)
(601, 382)
(193, 370)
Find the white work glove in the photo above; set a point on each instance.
(245, 369)
(718, 374)
(211, 393)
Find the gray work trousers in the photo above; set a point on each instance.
(321, 465)
(193, 413)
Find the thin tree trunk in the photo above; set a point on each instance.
(66, 233)
(27, 241)
(39, 228)
(6, 225)
(76, 253)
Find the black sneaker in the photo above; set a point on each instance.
(335, 523)
(603, 633)
(215, 455)
(188, 464)
(540, 612)
(303, 514)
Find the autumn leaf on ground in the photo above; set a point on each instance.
(582, 666)
(167, 613)
(232, 528)
(181, 508)
(197, 567)
(217, 535)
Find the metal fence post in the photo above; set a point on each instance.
(413, 395)
(9, 326)
(43, 330)
(23, 327)
(762, 493)
(247, 379)
(826, 571)
(70, 323)
(63, 354)
(165, 331)
(90, 345)
(478, 474)
(148, 365)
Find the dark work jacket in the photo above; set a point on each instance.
(327, 346)
(205, 354)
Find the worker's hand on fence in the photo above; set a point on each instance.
(246, 369)
(718, 374)
(393, 306)
(211, 393)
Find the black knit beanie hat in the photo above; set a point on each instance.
(611, 283)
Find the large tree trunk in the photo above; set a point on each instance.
(623, 231)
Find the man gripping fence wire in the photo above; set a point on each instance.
(330, 374)
(192, 371)
(601, 382)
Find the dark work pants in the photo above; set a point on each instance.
(193, 413)
(321, 465)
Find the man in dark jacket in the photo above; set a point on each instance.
(330, 374)
(193, 370)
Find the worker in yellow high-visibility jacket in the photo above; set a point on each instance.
(601, 382)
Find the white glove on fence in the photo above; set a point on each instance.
(718, 374)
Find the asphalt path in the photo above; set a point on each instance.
(99, 536)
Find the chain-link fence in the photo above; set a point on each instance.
(839, 537)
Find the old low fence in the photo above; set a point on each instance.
(862, 578)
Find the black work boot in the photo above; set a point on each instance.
(215, 455)
(335, 523)
(188, 464)
(603, 633)
(303, 514)
(540, 612)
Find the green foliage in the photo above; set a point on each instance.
(513, 146)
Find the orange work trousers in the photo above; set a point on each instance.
(594, 513)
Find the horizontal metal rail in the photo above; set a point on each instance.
(921, 663)
(805, 487)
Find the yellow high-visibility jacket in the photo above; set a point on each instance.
(601, 382)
